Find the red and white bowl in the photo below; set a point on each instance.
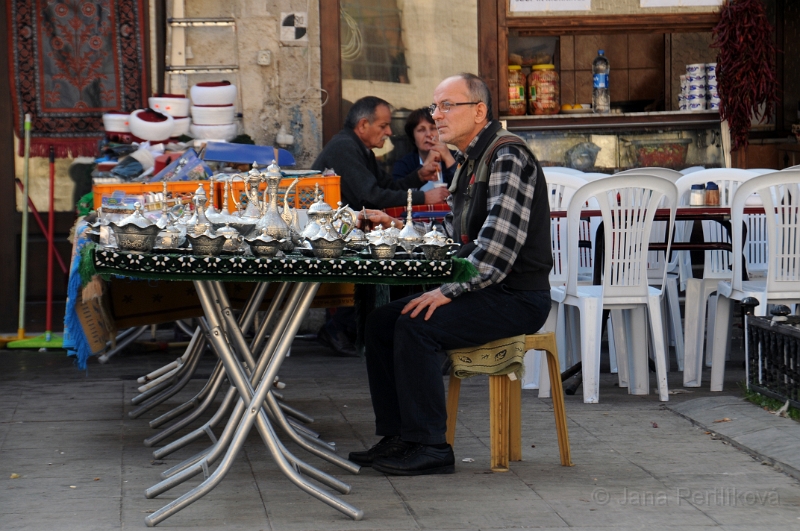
(174, 105)
(181, 126)
(213, 114)
(117, 122)
(213, 93)
(151, 125)
(213, 132)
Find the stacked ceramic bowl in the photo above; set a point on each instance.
(213, 111)
(175, 105)
(117, 126)
(712, 96)
(695, 95)
(153, 126)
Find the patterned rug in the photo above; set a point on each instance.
(71, 61)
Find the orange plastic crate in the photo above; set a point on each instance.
(302, 194)
(174, 188)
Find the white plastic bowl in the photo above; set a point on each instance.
(181, 126)
(213, 115)
(219, 95)
(175, 107)
(151, 130)
(116, 123)
(213, 132)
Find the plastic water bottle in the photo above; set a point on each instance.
(601, 99)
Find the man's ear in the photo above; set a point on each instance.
(362, 124)
(480, 112)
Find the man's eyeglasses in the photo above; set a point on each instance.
(446, 106)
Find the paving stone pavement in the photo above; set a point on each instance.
(638, 465)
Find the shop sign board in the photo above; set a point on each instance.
(522, 6)
(679, 3)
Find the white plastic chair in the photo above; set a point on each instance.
(692, 169)
(716, 266)
(560, 169)
(657, 264)
(780, 194)
(628, 207)
(560, 189)
(664, 173)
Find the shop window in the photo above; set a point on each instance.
(372, 41)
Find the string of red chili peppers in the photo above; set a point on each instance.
(745, 66)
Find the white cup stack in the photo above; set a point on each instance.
(696, 87)
(683, 102)
(213, 111)
(712, 96)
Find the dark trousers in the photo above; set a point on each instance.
(404, 355)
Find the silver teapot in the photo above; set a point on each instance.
(135, 232)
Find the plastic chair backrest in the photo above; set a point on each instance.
(780, 193)
(717, 264)
(561, 169)
(692, 169)
(664, 173)
(560, 189)
(628, 208)
(761, 171)
(656, 261)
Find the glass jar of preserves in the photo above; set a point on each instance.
(516, 91)
(544, 90)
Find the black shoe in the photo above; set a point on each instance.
(339, 343)
(418, 460)
(386, 447)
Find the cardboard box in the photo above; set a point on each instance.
(96, 327)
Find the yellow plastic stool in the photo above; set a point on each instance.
(505, 408)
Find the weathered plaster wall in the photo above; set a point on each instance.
(440, 41)
(286, 92)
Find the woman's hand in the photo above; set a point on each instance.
(430, 300)
(430, 168)
(444, 154)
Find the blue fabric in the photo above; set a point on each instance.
(75, 341)
(411, 163)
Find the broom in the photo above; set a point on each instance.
(23, 258)
(47, 340)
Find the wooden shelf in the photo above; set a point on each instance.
(638, 120)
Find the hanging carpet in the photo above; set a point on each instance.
(71, 61)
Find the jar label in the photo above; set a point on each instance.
(516, 94)
(600, 80)
(533, 93)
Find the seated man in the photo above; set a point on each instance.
(365, 184)
(501, 216)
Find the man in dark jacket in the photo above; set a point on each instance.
(502, 217)
(365, 185)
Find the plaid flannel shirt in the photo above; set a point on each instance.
(510, 196)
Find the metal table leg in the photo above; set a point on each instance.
(301, 298)
(272, 312)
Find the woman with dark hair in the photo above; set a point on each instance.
(427, 149)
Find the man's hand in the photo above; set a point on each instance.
(430, 300)
(378, 217)
(427, 171)
(436, 195)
